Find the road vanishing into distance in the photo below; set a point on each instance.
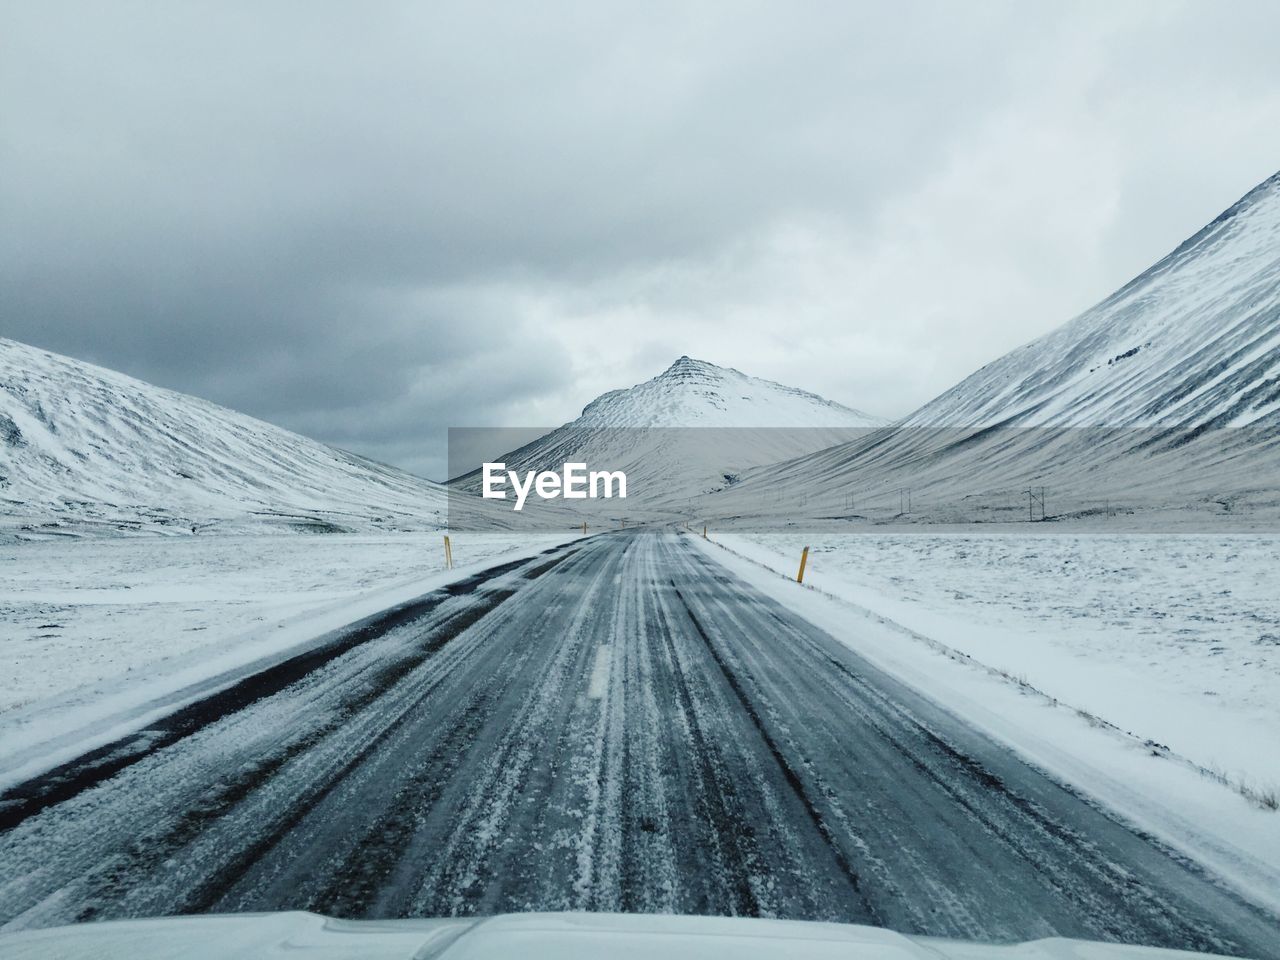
(618, 724)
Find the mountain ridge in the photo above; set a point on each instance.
(1193, 340)
(1165, 393)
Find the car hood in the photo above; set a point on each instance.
(526, 936)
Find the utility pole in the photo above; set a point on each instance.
(1033, 499)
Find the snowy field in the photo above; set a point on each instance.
(1174, 638)
(88, 614)
(94, 625)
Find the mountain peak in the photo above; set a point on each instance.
(742, 422)
(687, 366)
(695, 393)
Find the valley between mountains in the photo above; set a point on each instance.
(243, 676)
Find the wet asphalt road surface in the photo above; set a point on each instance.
(617, 725)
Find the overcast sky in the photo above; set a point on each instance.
(370, 221)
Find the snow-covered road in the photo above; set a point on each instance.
(619, 724)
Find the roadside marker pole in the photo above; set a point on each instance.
(584, 528)
(804, 558)
(704, 533)
(448, 553)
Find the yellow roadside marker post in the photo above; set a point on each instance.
(704, 533)
(584, 528)
(448, 553)
(804, 558)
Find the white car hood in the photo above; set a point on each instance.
(527, 936)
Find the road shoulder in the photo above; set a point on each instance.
(1155, 792)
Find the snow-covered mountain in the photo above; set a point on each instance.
(694, 393)
(1165, 393)
(84, 448)
(692, 429)
(1194, 342)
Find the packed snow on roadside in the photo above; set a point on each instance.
(1173, 637)
(89, 627)
(1116, 664)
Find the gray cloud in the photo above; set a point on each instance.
(369, 222)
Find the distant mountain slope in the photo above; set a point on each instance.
(1167, 392)
(1194, 341)
(691, 429)
(84, 448)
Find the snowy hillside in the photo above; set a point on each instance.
(1166, 394)
(692, 429)
(83, 448)
(1194, 341)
